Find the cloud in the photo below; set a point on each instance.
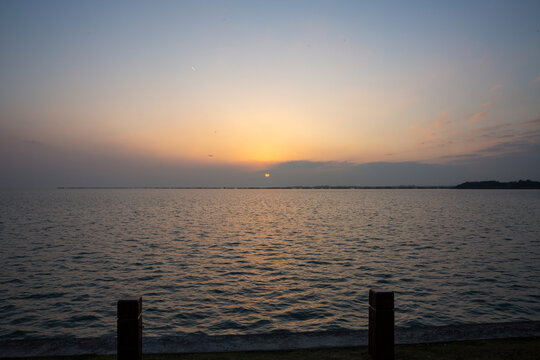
(504, 148)
(435, 144)
(309, 173)
(32, 142)
(494, 88)
(92, 171)
(513, 146)
(304, 164)
(524, 128)
(507, 152)
(478, 116)
(537, 79)
(504, 162)
(532, 122)
(435, 132)
(485, 105)
(508, 139)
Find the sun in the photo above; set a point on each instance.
(267, 175)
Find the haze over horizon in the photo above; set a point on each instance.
(220, 93)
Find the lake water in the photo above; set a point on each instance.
(255, 261)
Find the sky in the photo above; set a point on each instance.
(220, 93)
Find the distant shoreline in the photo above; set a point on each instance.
(496, 185)
(492, 185)
(324, 187)
(200, 343)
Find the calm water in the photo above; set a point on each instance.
(252, 261)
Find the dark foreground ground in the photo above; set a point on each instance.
(517, 348)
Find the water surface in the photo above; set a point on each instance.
(253, 261)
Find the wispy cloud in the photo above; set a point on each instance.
(306, 164)
(32, 142)
(529, 129)
(532, 122)
(436, 134)
(375, 173)
(436, 143)
(495, 88)
(485, 105)
(492, 141)
(479, 115)
(442, 121)
(537, 79)
(499, 149)
(504, 148)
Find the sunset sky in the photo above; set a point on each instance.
(219, 93)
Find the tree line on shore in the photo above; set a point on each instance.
(492, 184)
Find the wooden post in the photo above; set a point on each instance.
(129, 329)
(381, 324)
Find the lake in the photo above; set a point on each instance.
(227, 261)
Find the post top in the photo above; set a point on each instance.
(381, 298)
(129, 307)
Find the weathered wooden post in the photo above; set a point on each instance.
(381, 324)
(129, 329)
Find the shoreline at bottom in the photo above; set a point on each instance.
(197, 343)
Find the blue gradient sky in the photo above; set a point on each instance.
(218, 92)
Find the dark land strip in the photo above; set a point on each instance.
(498, 349)
(491, 184)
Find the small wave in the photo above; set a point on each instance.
(302, 315)
(226, 325)
(52, 295)
(262, 323)
(236, 273)
(82, 297)
(318, 262)
(23, 320)
(83, 318)
(12, 281)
